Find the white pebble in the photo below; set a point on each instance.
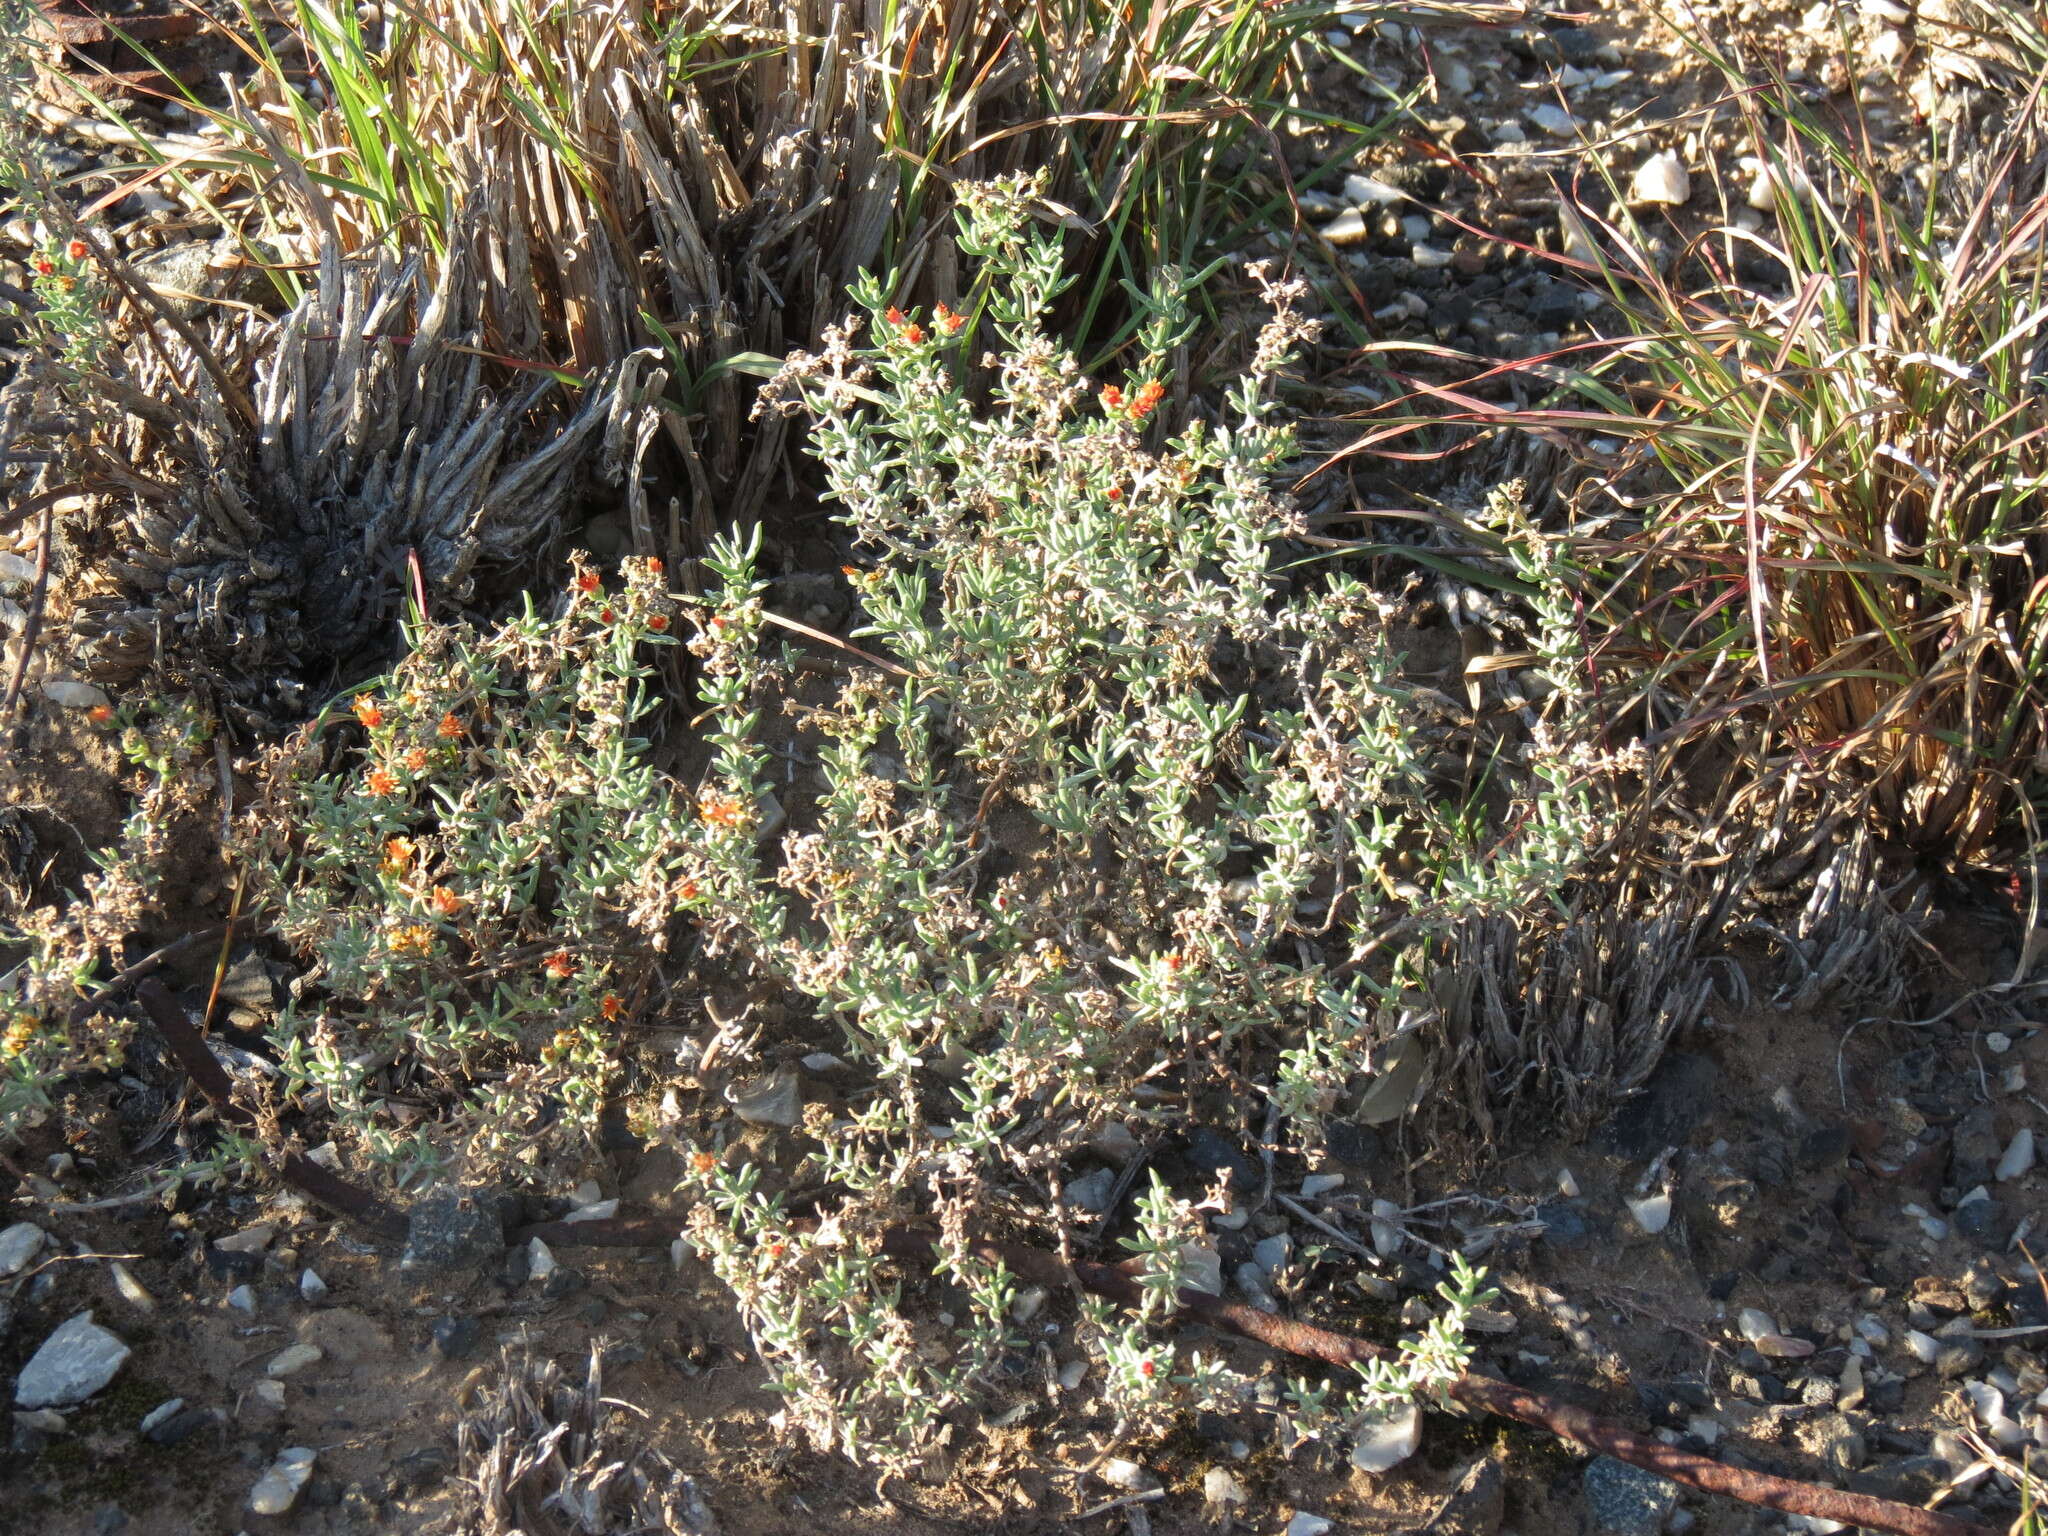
(249, 1240)
(1552, 118)
(295, 1357)
(1923, 1346)
(1370, 192)
(159, 1413)
(1073, 1373)
(311, 1286)
(1306, 1524)
(1652, 1213)
(1872, 1329)
(1567, 1186)
(242, 1299)
(1387, 1438)
(1998, 1042)
(1386, 1233)
(1127, 1475)
(1025, 1305)
(2019, 1155)
(73, 694)
(131, 1289)
(540, 1261)
(278, 1489)
(1348, 228)
(1320, 1184)
(1661, 180)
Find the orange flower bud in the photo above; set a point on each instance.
(587, 581)
(559, 965)
(449, 728)
(1112, 398)
(78, 250)
(612, 1006)
(381, 783)
(368, 712)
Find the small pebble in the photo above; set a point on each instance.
(1998, 1042)
(18, 1244)
(242, 1299)
(1661, 181)
(1306, 1524)
(1387, 1438)
(131, 1289)
(278, 1489)
(1552, 118)
(2019, 1156)
(1320, 1184)
(1127, 1475)
(311, 1286)
(249, 1240)
(1348, 228)
(1923, 1345)
(1652, 1214)
(159, 1413)
(294, 1358)
(1567, 1185)
(1221, 1491)
(540, 1261)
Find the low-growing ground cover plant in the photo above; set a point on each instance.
(1139, 824)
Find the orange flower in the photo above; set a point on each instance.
(607, 617)
(776, 1251)
(586, 581)
(1115, 493)
(611, 1007)
(1112, 398)
(413, 936)
(894, 317)
(445, 901)
(687, 890)
(654, 565)
(657, 622)
(398, 853)
(368, 712)
(947, 320)
(559, 965)
(850, 572)
(78, 250)
(1174, 962)
(717, 622)
(100, 714)
(1146, 1368)
(450, 727)
(43, 265)
(719, 810)
(1148, 398)
(913, 334)
(381, 783)
(703, 1162)
(416, 760)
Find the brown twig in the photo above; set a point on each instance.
(33, 627)
(317, 1183)
(1483, 1392)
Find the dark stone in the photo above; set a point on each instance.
(235, 1268)
(1984, 1222)
(593, 1311)
(1216, 1429)
(514, 1272)
(455, 1338)
(1957, 1358)
(179, 1427)
(1884, 1397)
(621, 1355)
(1983, 1285)
(1210, 1154)
(1678, 1093)
(1358, 1145)
(1576, 45)
(1424, 179)
(1564, 1223)
(1628, 1500)
(562, 1281)
(1826, 1147)
(323, 1492)
(1722, 1286)
(454, 1228)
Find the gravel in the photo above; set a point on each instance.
(1628, 1500)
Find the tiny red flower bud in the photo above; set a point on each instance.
(586, 581)
(78, 250)
(658, 622)
(1146, 1368)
